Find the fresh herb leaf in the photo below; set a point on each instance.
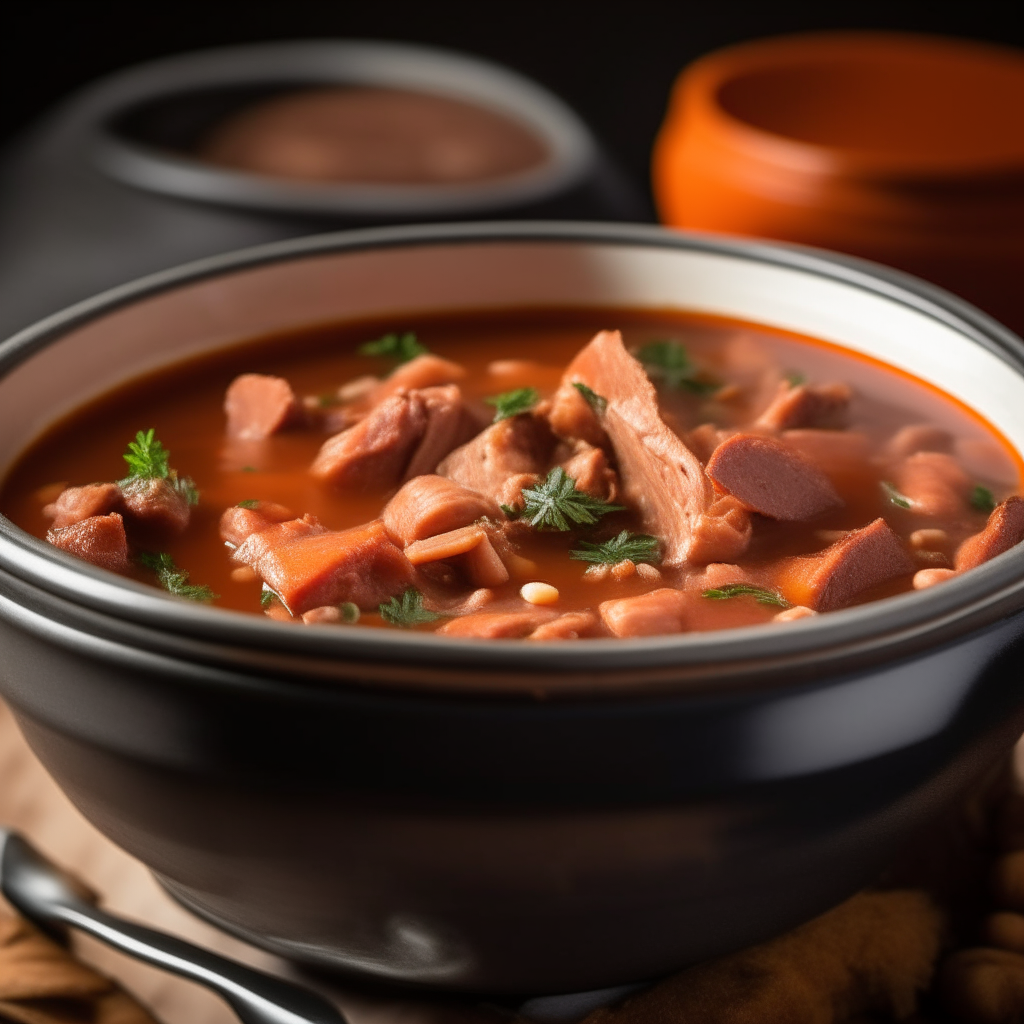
(510, 511)
(760, 594)
(248, 503)
(147, 458)
(249, 469)
(555, 501)
(594, 400)
(328, 401)
(406, 611)
(669, 362)
(175, 580)
(267, 597)
(894, 496)
(796, 378)
(402, 347)
(512, 403)
(982, 499)
(632, 547)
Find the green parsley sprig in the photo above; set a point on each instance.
(512, 403)
(407, 611)
(148, 459)
(760, 594)
(626, 547)
(982, 499)
(555, 502)
(401, 347)
(596, 402)
(249, 503)
(669, 362)
(175, 580)
(894, 496)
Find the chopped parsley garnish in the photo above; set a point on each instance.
(669, 362)
(248, 503)
(631, 547)
(760, 594)
(349, 612)
(406, 611)
(148, 459)
(249, 469)
(982, 499)
(796, 378)
(267, 597)
(894, 496)
(594, 400)
(512, 403)
(554, 502)
(175, 580)
(401, 347)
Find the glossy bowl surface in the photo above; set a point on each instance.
(498, 816)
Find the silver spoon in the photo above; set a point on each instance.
(54, 901)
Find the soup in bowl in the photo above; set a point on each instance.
(513, 608)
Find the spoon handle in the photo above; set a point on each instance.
(44, 895)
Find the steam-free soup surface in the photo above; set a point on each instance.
(552, 474)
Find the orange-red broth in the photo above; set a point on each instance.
(184, 405)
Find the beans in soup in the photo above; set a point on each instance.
(528, 474)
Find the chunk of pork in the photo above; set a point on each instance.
(806, 405)
(258, 405)
(935, 483)
(74, 504)
(431, 504)
(659, 475)
(572, 417)
(404, 435)
(918, 437)
(236, 524)
(1004, 530)
(274, 535)
(361, 565)
(770, 478)
(154, 511)
(98, 539)
(653, 614)
(831, 578)
(519, 446)
(588, 467)
(510, 625)
(470, 547)
(570, 626)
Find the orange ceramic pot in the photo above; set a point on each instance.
(904, 149)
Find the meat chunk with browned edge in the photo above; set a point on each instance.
(1004, 530)
(258, 405)
(519, 446)
(98, 539)
(659, 476)
(832, 578)
(432, 504)
(770, 478)
(74, 504)
(806, 405)
(361, 565)
(404, 435)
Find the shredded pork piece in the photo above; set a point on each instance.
(659, 476)
(257, 406)
(1004, 530)
(100, 540)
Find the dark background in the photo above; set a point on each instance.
(614, 64)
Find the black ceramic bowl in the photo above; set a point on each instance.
(106, 189)
(500, 816)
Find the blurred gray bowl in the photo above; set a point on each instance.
(105, 190)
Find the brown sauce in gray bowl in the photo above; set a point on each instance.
(372, 136)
